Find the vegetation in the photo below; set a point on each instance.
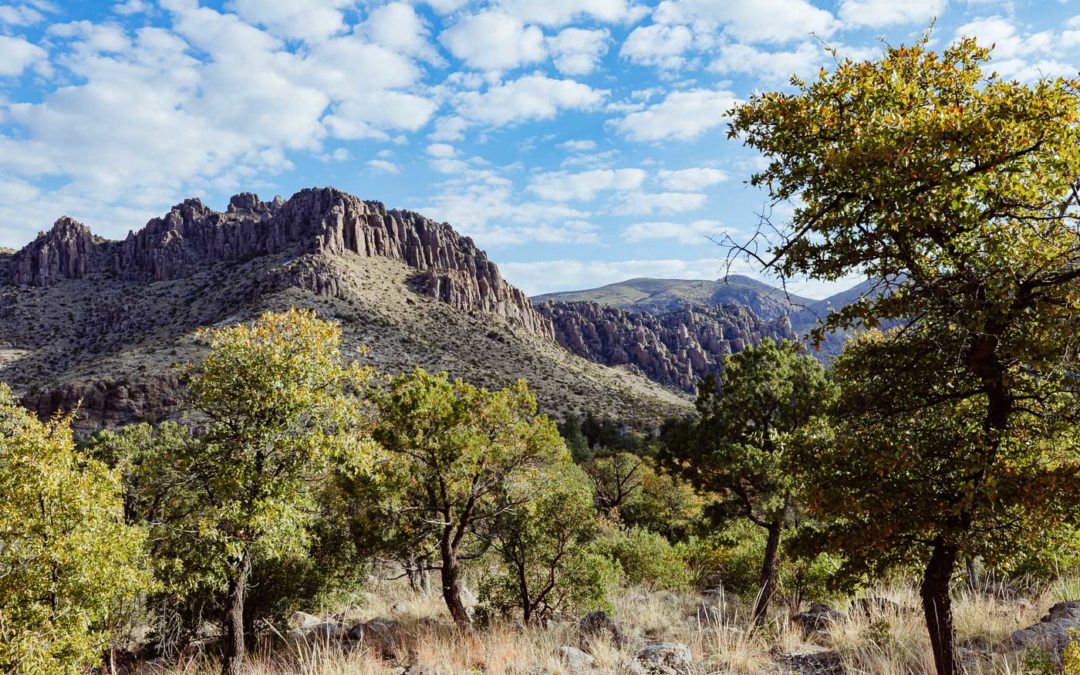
(745, 445)
(957, 190)
(70, 568)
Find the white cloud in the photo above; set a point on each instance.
(578, 145)
(301, 19)
(1022, 56)
(696, 232)
(356, 118)
(383, 166)
(399, 28)
(530, 97)
(130, 7)
(758, 21)
(768, 66)
(449, 129)
(688, 180)
(641, 203)
(577, 51)
(20, 15)
(16, 55)
(888, 12)
(546, 276)
(441, 150)
(564, 187)
(494, 41)
(682, 115)
(561, 12)
(657, 45)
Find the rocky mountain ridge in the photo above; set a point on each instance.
(676, 348)
(317, 221)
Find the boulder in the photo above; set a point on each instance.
(812, 661)
(380, 636)
(817, 618)
(665, 658)
(1053, 632)
(576, 660)
(303, 620)
(600, 624)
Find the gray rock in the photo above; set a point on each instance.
(600, 624)
(709, 615)
(817, 619)
(1053, 632)
(665, 658)
(303, 620)
(380, 636)
(576, 660)
(812, 661)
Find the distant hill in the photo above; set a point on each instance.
(677, 331)
(98, 325)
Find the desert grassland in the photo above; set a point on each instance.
(873, 642)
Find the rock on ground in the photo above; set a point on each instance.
(576, 660)
(1053, 632)
(666, 658)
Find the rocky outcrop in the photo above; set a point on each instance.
(676, 348)
(1055, 631)
(108, 403)
(314, 221)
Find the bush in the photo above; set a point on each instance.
(646, 558)
(70, 568)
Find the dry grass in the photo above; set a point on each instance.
(874, 642)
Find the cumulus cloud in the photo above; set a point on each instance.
(16, 55)
(494, 41)
(1024, 56)
(20, 15)
(695, 232)
(398, 27)
(561, 12)
(775, 66)
(688, 180)
(886, 12)
(300, 19)
(565, 187)
(682, 115)
(441, 150)
(644, 204)
(577, 51)
(657, 45)
(383, 166)
(528, 98)
(758, 21)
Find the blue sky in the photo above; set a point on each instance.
(579, 142)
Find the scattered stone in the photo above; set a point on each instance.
(303, 620)
(1053, 632)
(812, 661)
(420, 669)
(378, 635)
(599, 624)
(665, 658)
(576, 660)
(817, 618)
(709, 615)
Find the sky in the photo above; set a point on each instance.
(579, 142)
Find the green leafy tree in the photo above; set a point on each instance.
(277, 397)
(452, 449)
(630, 491)
(70, 568)
(645, 559)
(541, 539)
(957, 191)
(743, 448)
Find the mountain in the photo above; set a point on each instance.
(663, 295)
(104, 322)
(677, 331)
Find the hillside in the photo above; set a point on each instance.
(104, 322)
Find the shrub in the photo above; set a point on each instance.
(646, 559)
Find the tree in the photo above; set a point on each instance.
(279, 403)
(744, 445)
(616, 478)
(957, 192)
(453, 448)
(630, 491)
(542, 541)
(70, 568)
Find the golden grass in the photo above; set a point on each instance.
(876, 642)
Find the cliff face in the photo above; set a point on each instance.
(676, 348)
(191, 236)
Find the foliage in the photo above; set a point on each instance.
(451, 452)
(744, 446)
(629, 490)
(279, 403)
(541, 540)
(956, 191)
(646, 558)
(70, 568)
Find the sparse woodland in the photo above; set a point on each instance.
(911, 507)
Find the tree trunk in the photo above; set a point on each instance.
(937, 607)
(235, 647)
(451, 590)
(767, 581)
(972, 573)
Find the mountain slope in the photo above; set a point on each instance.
(103, 322)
